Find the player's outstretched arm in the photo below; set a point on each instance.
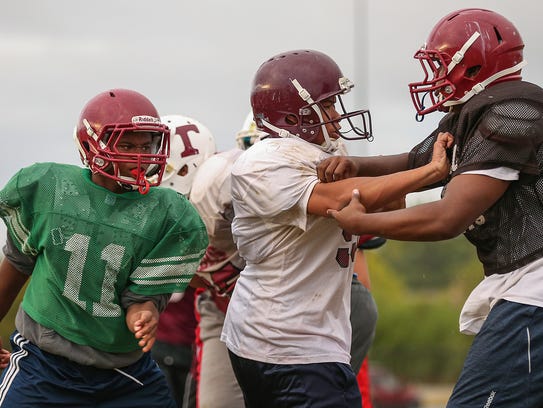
(142, 320)
(378, 192)
(466, 198)
(341, 167)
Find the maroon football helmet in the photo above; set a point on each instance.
(466, 51)
(293, 84)
(103, 122)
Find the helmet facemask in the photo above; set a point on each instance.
(111, 148)
(435, 84)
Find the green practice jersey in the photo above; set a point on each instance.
(91, 245)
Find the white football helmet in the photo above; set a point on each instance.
(190, 144)
(249, 134)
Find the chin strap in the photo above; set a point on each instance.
(143, 184)
(306, 97)
(329, 147)
(481, 86)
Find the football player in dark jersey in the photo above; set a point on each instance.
(472, 63)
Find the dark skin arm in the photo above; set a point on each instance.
(378, 192)
(11, 283)
(467, 197)
(342, 167)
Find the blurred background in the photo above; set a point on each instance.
(197, 58)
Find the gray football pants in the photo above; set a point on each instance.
(217, 387)
(363, 321)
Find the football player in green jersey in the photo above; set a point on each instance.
(105, 249)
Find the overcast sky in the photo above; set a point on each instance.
(198, 58)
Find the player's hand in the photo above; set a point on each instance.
(439, 157)
(142, 320)
(350, 217)
(336, 168)
(4, 356)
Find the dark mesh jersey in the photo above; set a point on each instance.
(502, 126)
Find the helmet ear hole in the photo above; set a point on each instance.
(498, 35)
(291, 119)
(183, 171)
(472, 72)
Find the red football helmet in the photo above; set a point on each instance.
(466, 51)
(103, 122)
(293, 84)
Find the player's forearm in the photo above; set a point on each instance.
(381, 165)
(377, 192)
(425, 222)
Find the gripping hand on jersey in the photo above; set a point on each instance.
(349, 215)
(352, 218)
(142, 320)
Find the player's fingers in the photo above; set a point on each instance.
(149, 345)
(342, 170)
(325, 170)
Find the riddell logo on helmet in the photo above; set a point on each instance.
(145, 119)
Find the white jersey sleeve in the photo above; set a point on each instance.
(212, 198)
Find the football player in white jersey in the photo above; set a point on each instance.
(219, 270)
(287, 325)
(191, 144)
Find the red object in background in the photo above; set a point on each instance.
(388, 391)
(364, 384)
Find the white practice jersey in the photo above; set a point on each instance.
(291, 304)
(212, 198)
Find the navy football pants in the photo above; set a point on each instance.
(319, 385)
(35, 378)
